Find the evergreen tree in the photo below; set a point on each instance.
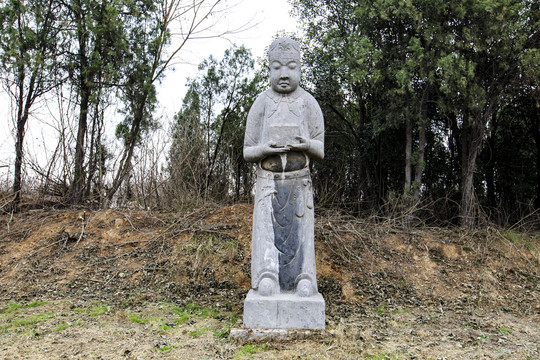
(415, 66)
(208, 133)
(30, 42)
(97, 34)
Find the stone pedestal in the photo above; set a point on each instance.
(284, 311)
(279, 334)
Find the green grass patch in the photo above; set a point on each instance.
(11, 307)
(222, 333)
(249, 349)
(513, 237)
(137, 318)
(100, 309)
(36, 303)
(15, 319)
(94, 309)
(381, 310)
(165, 327)
(520, 239)
(201, 312)
(504, 331)
(198, 332)
(182, 319)
(165, 348)
(193, 311)
(24, 324)
(141, 319)
(62, 326)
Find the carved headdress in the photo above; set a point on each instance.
(284, 49)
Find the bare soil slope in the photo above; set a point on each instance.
(394, 292)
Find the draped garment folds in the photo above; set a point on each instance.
(283, 217)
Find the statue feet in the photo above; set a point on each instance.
(267, 287)
(304, 288)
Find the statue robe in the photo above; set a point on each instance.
(283, 217)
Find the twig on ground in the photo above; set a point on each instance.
(83, 218)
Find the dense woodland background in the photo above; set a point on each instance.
(431, 107)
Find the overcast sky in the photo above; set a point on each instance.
(268, 18)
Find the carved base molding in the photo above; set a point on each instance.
(284, 311)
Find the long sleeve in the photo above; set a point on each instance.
(316, 128)
(252, 137)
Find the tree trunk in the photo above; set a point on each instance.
(125, 163)
(408, 155)
(467, 207)
(420, 161)
(490, 166)
(471, 145)
(455, 148)
(85, 77)
(422, 124)
(21, 124)
(365, 192)
(23, 112)
(17, 181)
(78, 175)
(95, 144)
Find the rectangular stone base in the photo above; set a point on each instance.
(278, 334)
(284, 311)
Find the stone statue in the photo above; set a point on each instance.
(284, 132)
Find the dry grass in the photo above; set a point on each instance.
(91, 330)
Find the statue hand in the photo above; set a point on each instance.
(271, 148)
(303, 145)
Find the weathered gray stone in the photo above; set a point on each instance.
(278, 334)
(283, 311)
(284, 132)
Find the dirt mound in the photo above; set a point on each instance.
(131, 256)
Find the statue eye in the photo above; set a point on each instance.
(276, 65)
(292, 65)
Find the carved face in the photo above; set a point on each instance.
(284, 75)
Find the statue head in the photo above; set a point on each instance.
(284, 63)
